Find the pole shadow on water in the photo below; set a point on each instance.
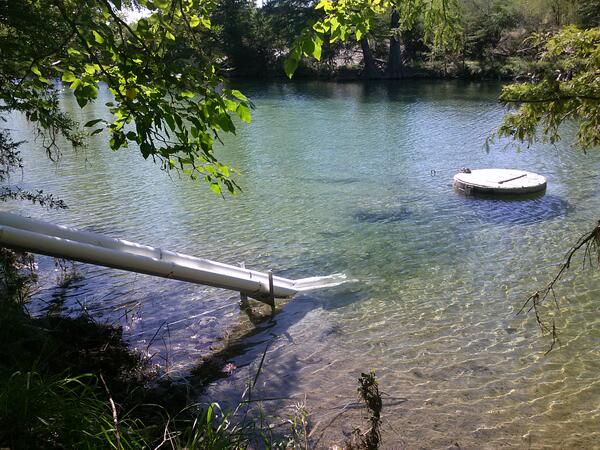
(248, 343)
(267, 392)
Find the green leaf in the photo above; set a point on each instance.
(205, 22)
(194, 21)
(99, 39)
(217, 190)
(68, 76)
(170, 121)
(230, 105)
(225, 123)
(36, 70)
(90, 91)
(169, 35)
(244, 113)
(146, 149)
(91, 68)
(75, 84)
(359, 34)
(81, 100)
(290, 65)
(162, 4)
(317, 47)
(237, 94)
(187, 94)
(91, 123)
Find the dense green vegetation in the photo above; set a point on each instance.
(564, 87)
(73, 383)
(467, 38)
(165, 88)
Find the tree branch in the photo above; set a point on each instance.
(591, 242)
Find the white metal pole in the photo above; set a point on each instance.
(64, 248)
(37, 236)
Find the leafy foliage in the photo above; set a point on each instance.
(10, 162)
(168, 99)
(564, 87)
(344, 20)
(484, 23)
(589, 13)
(245, 36)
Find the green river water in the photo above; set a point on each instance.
(356, 179)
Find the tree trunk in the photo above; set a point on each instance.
(370, 71)
(394, 67)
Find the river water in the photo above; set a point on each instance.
(356, 179)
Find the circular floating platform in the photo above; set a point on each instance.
(499, 182)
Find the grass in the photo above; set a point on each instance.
(51, 395)
(73, 383)
(37, 411)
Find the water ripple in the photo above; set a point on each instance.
(344, 184)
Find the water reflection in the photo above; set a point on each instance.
(406, 92)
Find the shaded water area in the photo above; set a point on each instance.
(356, 179)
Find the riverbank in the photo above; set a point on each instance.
(74, 383)
(350, 68)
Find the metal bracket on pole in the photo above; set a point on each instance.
(243, 296)
(271, 292)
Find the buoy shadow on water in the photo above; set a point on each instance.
(516, 210)
(506, 197)
(499, 182)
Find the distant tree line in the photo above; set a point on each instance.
(492, 38)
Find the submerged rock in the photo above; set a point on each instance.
(391, 215)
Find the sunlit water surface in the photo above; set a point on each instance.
(357, 179)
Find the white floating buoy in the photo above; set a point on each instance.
(498, 181)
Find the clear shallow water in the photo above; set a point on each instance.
(338, 178)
